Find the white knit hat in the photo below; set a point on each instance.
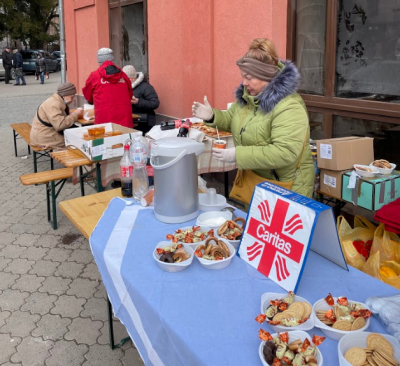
(130, 71)
(105, 54)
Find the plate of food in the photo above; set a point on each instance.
(173, 257)
(282, 311)
(366, 171)
(383, 166)
(337, 316)
(215, 253)
(365, 348)
(210, 131)
(191, 235)
(290, 348)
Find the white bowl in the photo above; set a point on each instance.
(218, 264)
(265, 301)
(173, 267)
(330, 332)
(211, 216)
(383, 170)
(365, 174)
(360, 340)
(294, 335)
(234, 243)
(202, 228)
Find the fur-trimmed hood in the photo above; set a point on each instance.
(281, 86)
(138, 80)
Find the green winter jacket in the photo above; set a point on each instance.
(269, 131)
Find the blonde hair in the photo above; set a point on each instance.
(130, 71)
(262, 49)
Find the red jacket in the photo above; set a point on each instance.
(110, 90)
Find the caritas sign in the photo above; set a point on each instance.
(281, 227)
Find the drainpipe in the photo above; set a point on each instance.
(62, 39)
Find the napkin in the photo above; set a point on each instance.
(156, 133)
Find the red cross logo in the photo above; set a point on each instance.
(272, 232)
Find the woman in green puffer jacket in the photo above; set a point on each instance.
(268, 121)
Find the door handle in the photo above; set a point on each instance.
(143, 48)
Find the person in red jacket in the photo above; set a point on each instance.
(110, 90)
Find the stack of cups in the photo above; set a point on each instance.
(211, 196)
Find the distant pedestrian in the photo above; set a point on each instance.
(110, 90)
(7, 63)
(41, 67)
(19, 74)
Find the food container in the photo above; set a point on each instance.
(294, 335)
(217, 264)
(365, 174)
(383, 170)
(194, 245)
(234, 243)
(172, 267)
(205, 206)
(359, 339)
(96, 131)
(265, 302)
(330, 332)
(210, 218)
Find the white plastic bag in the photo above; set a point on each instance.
(388, 309)
(202, 184)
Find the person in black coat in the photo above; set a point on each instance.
(7, 63)
(144, 101)
(41, 67)
(17, 60)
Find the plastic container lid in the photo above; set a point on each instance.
(204, 206)
(173, 146)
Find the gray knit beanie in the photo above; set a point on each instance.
(105, 54)
(66, 89)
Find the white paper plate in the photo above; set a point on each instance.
(173, 267)
(218, 264)
(359, 339)
(330, 332)
(294, 335)
(204, 206)
(265, 302)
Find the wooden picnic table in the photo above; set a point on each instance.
(85, 212)
(83, 122)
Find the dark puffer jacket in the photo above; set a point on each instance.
(40, 65)
(148, 101)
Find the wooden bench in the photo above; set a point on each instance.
(49, 178)
(24, 131)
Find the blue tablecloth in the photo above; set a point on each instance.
(200, 317)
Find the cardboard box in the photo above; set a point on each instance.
(342, 153)
(372, 193)
(101, 148)
(331, 182)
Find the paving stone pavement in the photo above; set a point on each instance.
(53, 309)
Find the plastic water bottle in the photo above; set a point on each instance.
(126, 170)
(140, 180)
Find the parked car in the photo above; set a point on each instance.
(57, 55)
(29, 57)
(3, 72)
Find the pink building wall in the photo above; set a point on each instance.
(192, 46)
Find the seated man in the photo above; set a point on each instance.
(53, 117)
(144, 100)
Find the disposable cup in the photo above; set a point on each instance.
(211, 196)
(219, 144)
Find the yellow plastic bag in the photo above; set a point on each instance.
(356, 243)
(387, 244)
(372, 266)
(390, 273)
